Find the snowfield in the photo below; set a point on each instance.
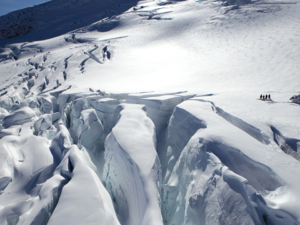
(148, 113)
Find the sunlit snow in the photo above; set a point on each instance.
(149, 112)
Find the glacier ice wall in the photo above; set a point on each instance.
(212, 178)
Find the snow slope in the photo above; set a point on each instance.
(148, 112)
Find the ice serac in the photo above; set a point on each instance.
(19, 117)
(105, 108)
(132, 171)
(84, 199)
(45, 126)
(72, 104)
(89, 117)
(91, 130)
(47, 187)
(70, 96)
(91, 137)
(201, 189)
(49, 104)
(76, 107)
(22, 175)
(225, 173)
(160, 108)
(182, 126)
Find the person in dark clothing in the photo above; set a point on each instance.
(270, 97)
(260, 97)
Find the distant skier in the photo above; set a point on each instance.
(260, 97)
(270, 97)
(263, 97)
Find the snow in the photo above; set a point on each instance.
(148, 112)
(18, 117)
(132, 172)
(91, 129)
(247, 158)
(23, 171)
(160, 108)
(105, 108)
(90, 201)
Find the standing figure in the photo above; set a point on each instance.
(270, 97)
(260, 97)
(263, 97)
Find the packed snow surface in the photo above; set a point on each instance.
(149, 113)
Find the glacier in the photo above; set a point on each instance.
(148, 113)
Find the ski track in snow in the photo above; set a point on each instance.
(72, 153)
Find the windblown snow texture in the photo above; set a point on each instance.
(148, 113)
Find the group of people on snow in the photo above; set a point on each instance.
(265, 97)
(295, 99)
